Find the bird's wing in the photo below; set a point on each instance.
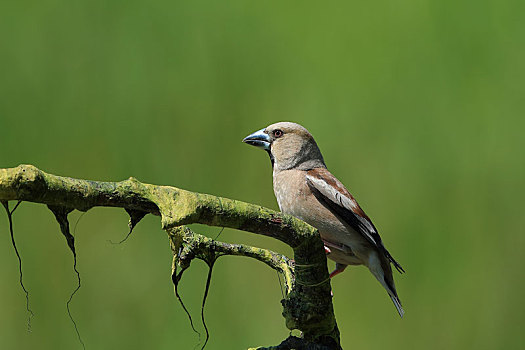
(334, 194)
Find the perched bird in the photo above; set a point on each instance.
(305, 189)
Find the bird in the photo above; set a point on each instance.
(305, 189)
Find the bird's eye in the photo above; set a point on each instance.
(277, 133)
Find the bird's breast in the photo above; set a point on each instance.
(296, 198)
(291, 192)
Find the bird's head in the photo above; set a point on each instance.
(289, 145)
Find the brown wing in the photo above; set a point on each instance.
(332, 192)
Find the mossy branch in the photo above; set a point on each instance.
(307, 305)
(187, 245)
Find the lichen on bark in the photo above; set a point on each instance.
(307, 305)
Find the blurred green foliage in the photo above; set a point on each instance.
(418, 107)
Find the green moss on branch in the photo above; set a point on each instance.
(194, 245)
(307, 306)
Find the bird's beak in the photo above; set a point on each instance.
(258, 139)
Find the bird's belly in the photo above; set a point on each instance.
(346, 246)
(330, 227)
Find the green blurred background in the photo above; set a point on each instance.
(417, 106)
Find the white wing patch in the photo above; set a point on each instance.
(342, 200)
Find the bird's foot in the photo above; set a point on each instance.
(338, 269)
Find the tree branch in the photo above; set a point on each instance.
(194, 245)
(307, 305)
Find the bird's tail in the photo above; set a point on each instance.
(383, 273)
(397, 303)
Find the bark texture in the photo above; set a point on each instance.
(307, 305)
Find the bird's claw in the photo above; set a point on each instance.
(338, 269)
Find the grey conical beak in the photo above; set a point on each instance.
(258, 139)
